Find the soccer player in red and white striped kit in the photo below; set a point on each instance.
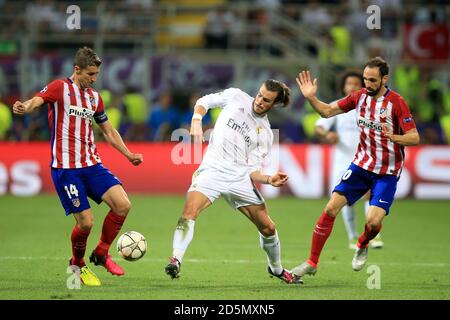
(77, 170)
(386, 126)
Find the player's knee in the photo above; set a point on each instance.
(374, 224)
(331, 210)
(190, 211)
(123, 207)
(86, 225)
(268, 230)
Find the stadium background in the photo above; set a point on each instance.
(159, 56)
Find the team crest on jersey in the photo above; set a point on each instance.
(91, 100)
(76, 202)
(81, 112)
(259, 129)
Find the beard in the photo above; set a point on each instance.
(374, 92)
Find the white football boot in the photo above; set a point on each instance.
(360, 258)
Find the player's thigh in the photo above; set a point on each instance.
(335, 204)
(259, 215)
(117, 199)
(242, 193)
(100, 181)
(206, 187)
(71, 190)
(84, 219)
(195, 203)
(353, 185)
(383, 192)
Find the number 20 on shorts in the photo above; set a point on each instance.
(347, 174)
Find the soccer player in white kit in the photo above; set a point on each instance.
(241, 140)
(344, 133)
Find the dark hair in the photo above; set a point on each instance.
(380, 63)
(284, 93)
(86, 57)
(349, 74)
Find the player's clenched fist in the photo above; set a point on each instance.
(136, 158)
(18, 108)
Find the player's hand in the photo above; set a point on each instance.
(387, 132)
(332, 137)
(136, 158)
(278, 179)
(18, 108)
(196, 131)
(307, 87)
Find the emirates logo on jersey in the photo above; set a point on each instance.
(77, 111)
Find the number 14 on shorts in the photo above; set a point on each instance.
(71, 191)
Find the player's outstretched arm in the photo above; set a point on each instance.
(309, 88)
(113, 137)
(276, 180)
(22, 108)
(409, 138)
(196, 124)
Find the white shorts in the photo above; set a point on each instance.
(237, 192)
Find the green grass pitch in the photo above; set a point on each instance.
(224, 260)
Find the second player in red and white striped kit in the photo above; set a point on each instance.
(77, 171)
(376, 153)
(70, 116)
(386, 126)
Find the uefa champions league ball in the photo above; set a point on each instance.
(131, 245)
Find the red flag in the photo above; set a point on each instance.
(426, 42)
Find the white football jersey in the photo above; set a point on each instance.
(346, 127)
(241, 139)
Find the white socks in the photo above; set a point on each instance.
(182, 237)
(271, 246)
(348, 214)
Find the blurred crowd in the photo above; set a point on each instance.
(330, 31)
(137, 120)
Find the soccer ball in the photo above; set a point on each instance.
(131, 245)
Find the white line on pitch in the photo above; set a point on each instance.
(245, 261)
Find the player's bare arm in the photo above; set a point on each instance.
(276, 180)
(21, 108)
(196, 124)
(409, 138)
(114, 139)
(309, 89)
(327, 136)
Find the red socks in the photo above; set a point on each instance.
(111, 227)
(320, 235)
(79, 239)
(367, 235)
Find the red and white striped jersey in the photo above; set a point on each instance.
(376, 153)
(70, 114)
